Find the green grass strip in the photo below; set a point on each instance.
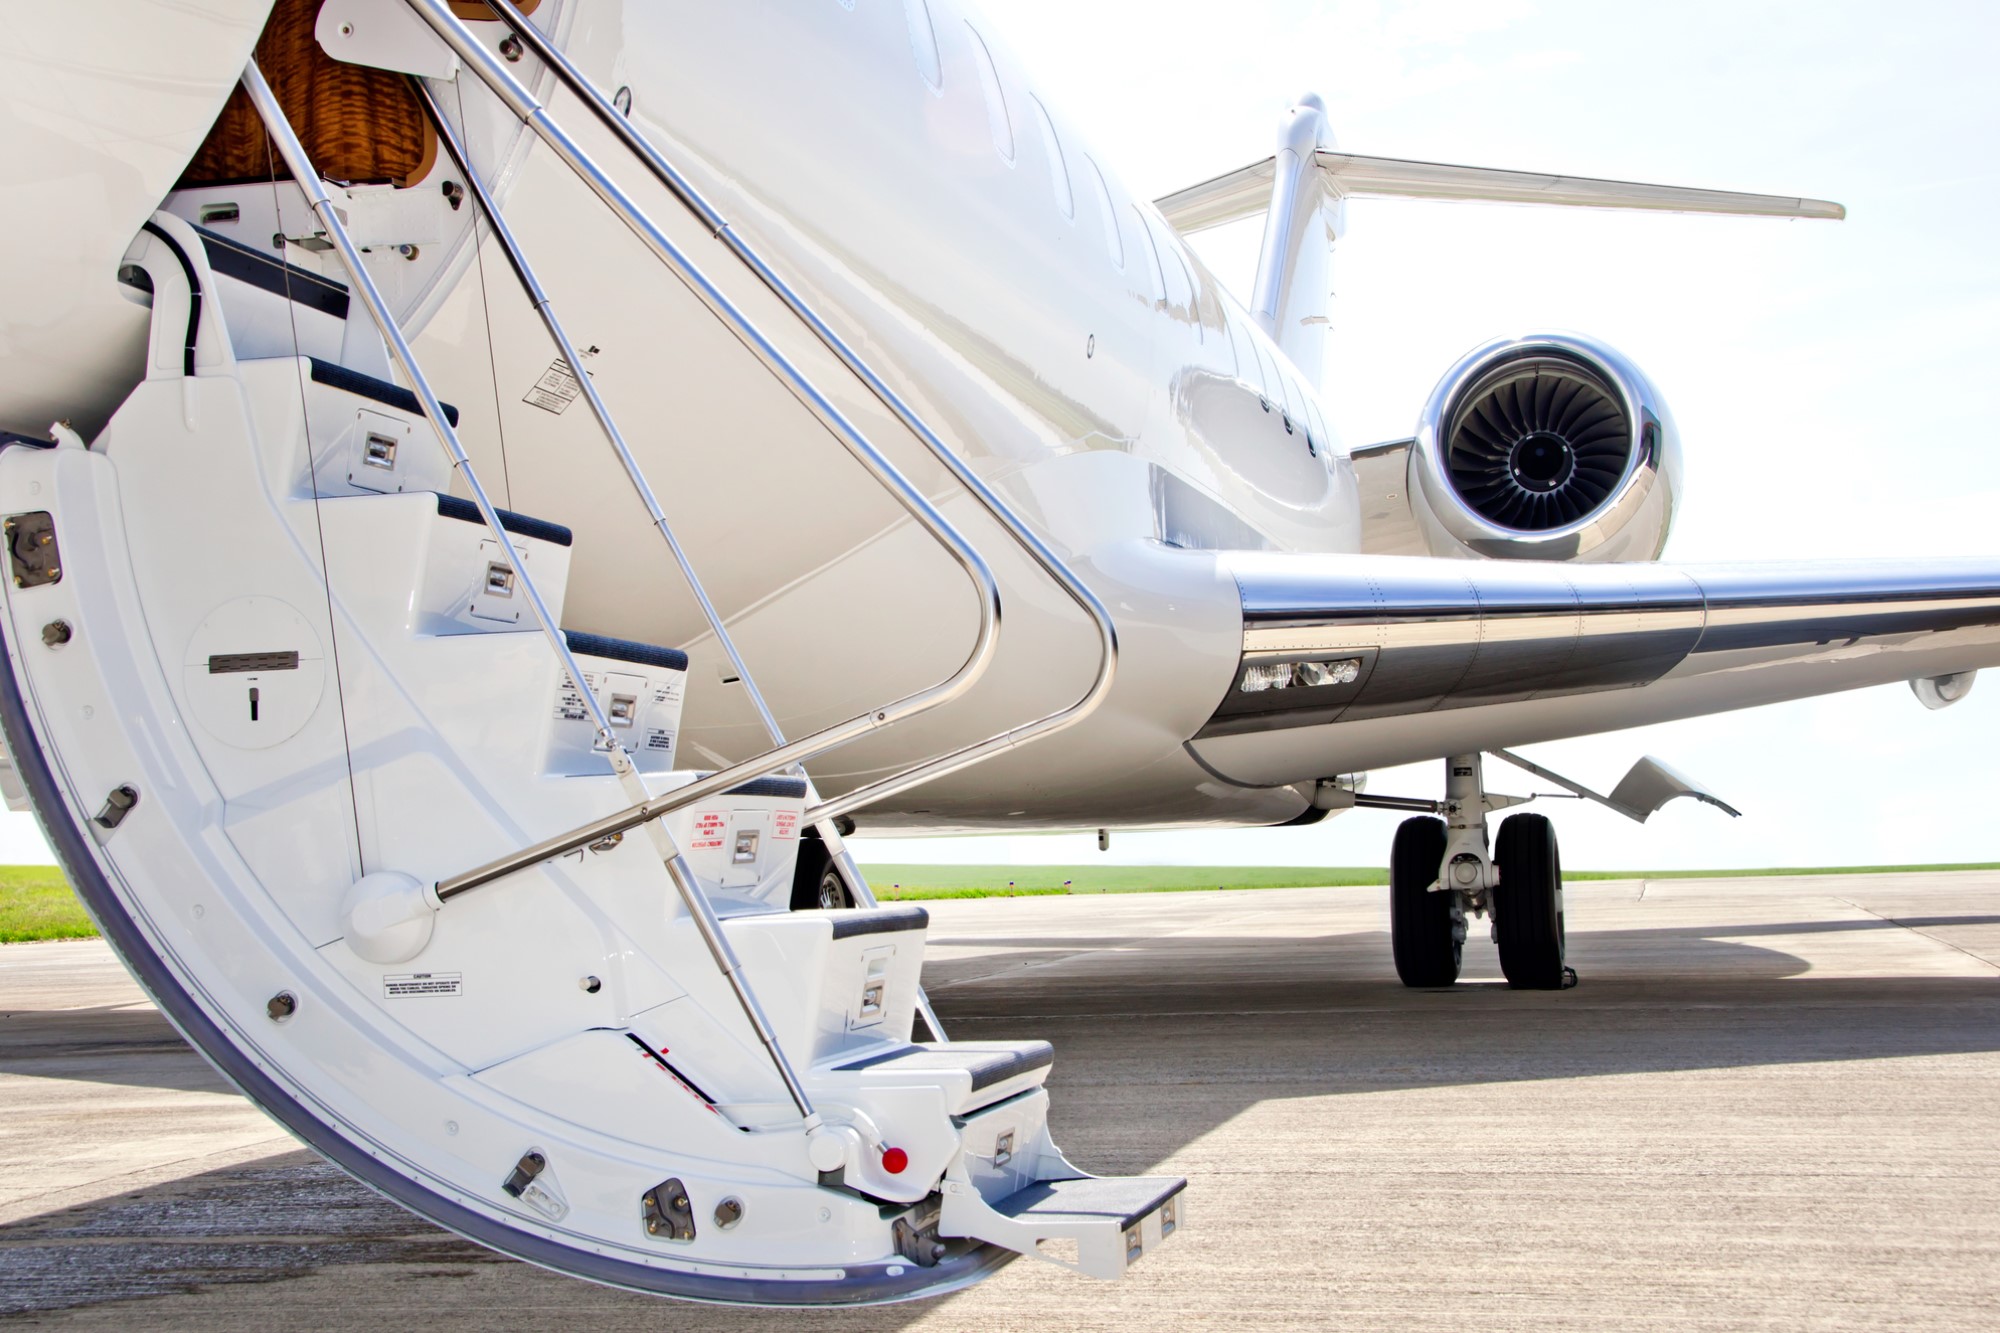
(36, 903)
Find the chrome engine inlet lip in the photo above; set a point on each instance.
(1649, 479)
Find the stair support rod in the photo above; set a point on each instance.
(538, 296)
(532, 114)
(524, 104)
(286, 141)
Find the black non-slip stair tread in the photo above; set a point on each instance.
(989, 1062)
(521, 525)
(1123, 1199)
(791, 789)
(8, 437)
(629, 650)
(231, 258)
(852, 921)
(336, 376)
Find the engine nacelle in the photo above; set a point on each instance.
(1545, 447)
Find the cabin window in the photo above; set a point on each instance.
(923, 43)
(1058, 169)
(1293, 422)
(1180, 287)
(1152, 251)
(1318, 423)
(996, 101)
(1114, 244)
(1273, 393)
(1194, 297)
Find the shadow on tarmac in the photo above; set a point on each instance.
(1235, 1020)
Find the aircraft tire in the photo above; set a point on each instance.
(815, 882)
(1426, 929)
(1527, 905)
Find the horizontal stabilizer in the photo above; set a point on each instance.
(1246, 192)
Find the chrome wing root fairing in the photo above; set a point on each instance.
(1352, 662)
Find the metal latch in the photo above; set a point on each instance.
(117, 805)
(667, 1211)
(31, 545)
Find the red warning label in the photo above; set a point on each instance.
(784, 824)
(708, 829)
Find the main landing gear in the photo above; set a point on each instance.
(1442, 869)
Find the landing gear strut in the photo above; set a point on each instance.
(1441, 869)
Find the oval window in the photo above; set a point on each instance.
(1114, 244)
(923, 43)
(1058, 169)
(996, 101)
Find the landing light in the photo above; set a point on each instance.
(1261, 676)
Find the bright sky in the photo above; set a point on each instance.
(1832, 381)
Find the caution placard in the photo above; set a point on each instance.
(405, 985)
(555, 390)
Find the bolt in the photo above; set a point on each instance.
(590, 985)
(282, 1006)
(56, 633)
(510, 47)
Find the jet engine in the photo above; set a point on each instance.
(1545, 447)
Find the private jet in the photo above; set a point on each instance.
(497, 493)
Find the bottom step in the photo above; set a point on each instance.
(1112, 1221)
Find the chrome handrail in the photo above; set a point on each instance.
(278, 126)
(517, 258)
(532, 113)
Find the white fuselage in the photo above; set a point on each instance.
(898, 168)
(1045, 321)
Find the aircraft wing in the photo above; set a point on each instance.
(1410, 657)
(1247, 191)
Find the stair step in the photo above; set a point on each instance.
(627, 650)
(230, 258)
(640, 687)
(850, 921)
(1124, 1200)
(273, 308)
(521, 525)
(972, 1074)
(1112, 1221)
(788, 788)
(469, 586)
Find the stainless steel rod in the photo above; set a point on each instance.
(710, 928)
(517, 259)
(495, 74)
(538, 296)
(294, 154)
(1051, 564)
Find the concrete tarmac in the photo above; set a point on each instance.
(1771, 1104)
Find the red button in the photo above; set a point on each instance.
(894, 1160)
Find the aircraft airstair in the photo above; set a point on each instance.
(419, 869)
